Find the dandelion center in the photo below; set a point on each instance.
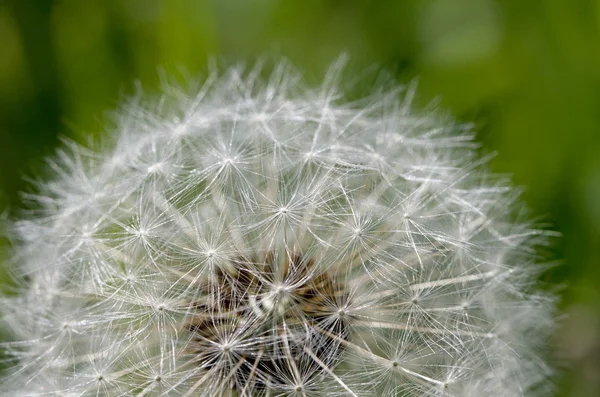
(271, 322)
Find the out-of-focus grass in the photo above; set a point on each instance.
(528, 73)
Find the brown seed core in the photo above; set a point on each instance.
(266, 324)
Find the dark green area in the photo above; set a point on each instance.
(526, 72)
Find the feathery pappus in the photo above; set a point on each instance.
(261, 237)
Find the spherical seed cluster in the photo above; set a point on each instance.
(268, 239)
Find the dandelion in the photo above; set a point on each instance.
(265, 238)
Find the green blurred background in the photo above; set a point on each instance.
(526, 72)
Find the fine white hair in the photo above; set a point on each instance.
(263, 237)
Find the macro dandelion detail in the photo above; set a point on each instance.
(259, 237)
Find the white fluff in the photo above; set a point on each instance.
(265, 238)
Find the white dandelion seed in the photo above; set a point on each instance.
(262, 238)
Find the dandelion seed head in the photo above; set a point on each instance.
(261, 237)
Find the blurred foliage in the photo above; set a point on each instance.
(526, 72)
